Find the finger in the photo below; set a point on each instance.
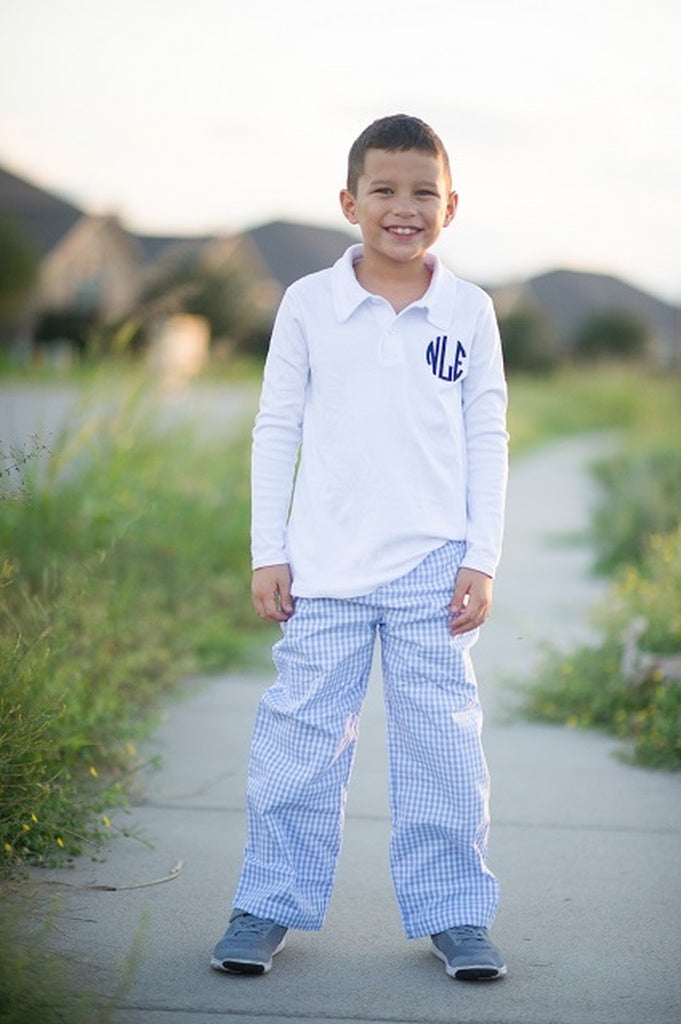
(279, 605)
(273, 613)
(471, 618)
(459, 628)
(285, 599)
(267, 607)
(461, 625)
(459, 601)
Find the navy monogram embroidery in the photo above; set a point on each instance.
(436, 357)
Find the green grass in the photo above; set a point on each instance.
(641, 497)
(606, 397)
(124, 566)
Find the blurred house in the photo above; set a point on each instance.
(568, 299)
(274, 255)
(93, 269)
(90, 268)
(289, 251)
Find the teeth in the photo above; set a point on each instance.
(404, 231)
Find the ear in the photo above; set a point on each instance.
(452, 203)
(348, 206)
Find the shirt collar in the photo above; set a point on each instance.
(348, 293)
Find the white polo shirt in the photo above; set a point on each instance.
(400, 421)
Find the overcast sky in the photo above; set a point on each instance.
(561, 118)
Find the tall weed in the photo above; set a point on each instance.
(125, 565)
(590, 686)
(641, 496)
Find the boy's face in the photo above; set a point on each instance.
(403, 201)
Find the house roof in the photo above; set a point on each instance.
(572, 297)
(42, 217)
(569, 298)
(290, 250)
(152, 246)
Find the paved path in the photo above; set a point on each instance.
(41, 411)
(588, 849)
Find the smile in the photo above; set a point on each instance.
(402, 231)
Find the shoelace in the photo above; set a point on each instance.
(469, 931)
(251, 925)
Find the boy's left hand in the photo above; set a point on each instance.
(471, 602)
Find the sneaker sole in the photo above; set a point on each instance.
(252, 967)
(472, 972)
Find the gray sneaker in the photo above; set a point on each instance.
(248, 945)
(468, 954)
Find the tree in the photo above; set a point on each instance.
(529, 341)
(70, 325)
(223, 294)
(612, 333)
(18, 268)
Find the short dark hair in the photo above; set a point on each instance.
(395, 132)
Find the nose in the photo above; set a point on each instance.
(403, 204)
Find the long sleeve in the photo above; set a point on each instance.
(277, 435)
(484, 408)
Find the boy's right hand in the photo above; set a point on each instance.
(271, 590)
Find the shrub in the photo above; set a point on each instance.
(589, 686)
(18, 267)
(529, 342)
(612, 333)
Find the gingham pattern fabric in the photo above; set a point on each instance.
(304, 743)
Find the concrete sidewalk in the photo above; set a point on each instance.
(588, 849)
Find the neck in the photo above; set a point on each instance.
(400, 284)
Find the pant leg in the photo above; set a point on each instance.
(301, 755)
(439, 781)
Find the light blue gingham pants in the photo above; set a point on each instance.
(304, 743)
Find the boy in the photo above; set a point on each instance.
(386, 371)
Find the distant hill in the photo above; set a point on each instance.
(569, 298)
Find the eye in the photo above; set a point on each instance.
(382, 190)
(427, 192)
